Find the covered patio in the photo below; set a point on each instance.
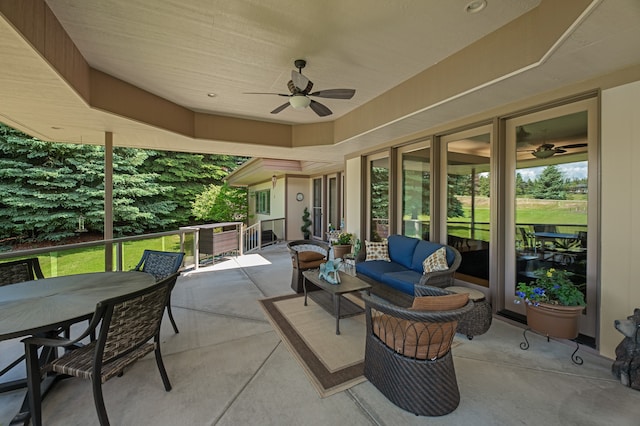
(229, 367)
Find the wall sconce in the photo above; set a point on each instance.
(274, 180)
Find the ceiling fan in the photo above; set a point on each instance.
(547, 150)
(299, 98)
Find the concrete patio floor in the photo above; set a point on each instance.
(228, 367)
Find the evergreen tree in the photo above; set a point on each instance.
(45, 187)
(521, 185)
(187, 176)
(550, 185)
(484, 187)
(139, 201)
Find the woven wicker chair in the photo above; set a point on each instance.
(126, 325)
(305, 255)
(408, 354)
(14, 272)
(19, 271)
(161, 264)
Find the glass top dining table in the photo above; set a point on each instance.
(42, 305)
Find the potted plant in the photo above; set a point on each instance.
(342, 245)
(554, 303)
(306, 223)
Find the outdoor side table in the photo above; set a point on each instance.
(477, 321)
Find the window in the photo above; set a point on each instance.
(263, 202)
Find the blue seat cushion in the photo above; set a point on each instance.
(401, 249)
(423, 250)
(377, 268)
(403, 280)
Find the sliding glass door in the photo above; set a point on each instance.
(466, 202)
(414, 193)
(552, 194)
(378, 197)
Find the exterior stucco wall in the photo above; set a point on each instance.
(620, 195)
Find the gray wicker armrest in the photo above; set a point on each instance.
(426, 290)
(438, 278)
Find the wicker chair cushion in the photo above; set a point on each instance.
(310, 256)
(447, 302)
(437, 261)
(308, 247)
(79, 362)
(420, 340)
(310, 259)
(377, 250)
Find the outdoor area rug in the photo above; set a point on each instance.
(332, 363)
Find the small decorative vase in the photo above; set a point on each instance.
(340, 250)
(556, 321)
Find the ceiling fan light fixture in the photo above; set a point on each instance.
(299, 101)
(545, 153)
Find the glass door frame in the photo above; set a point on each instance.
(370, 159)
(400, 151)
(444, 140)
(589, 320)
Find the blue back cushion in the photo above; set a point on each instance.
(401, 249)
(423, 250)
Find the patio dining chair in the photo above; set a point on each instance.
(18, 271)
(14, 272)
(125, 326)
(161, 264)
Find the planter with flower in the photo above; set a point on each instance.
(342, 245)
(554, 303)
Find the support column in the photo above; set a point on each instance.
(108, 200)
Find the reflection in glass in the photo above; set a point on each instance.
(415, 193)
(468, 212)
(379, 197)
(317, 207)
(551, 196)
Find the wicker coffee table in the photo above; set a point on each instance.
(331, 297)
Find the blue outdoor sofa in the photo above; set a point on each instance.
(405, 268)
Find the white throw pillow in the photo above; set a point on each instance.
(436, 262)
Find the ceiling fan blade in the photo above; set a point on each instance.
(560, 150)
(335, 93)
(320, 109)
(280, 108)
(264, 93)
(300, 81)
(573, 145)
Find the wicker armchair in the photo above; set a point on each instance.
(125, 326)
(305, 255)
(408, 354)
(161, 264)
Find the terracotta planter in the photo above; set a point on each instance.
(340, 250)
(556, 321)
